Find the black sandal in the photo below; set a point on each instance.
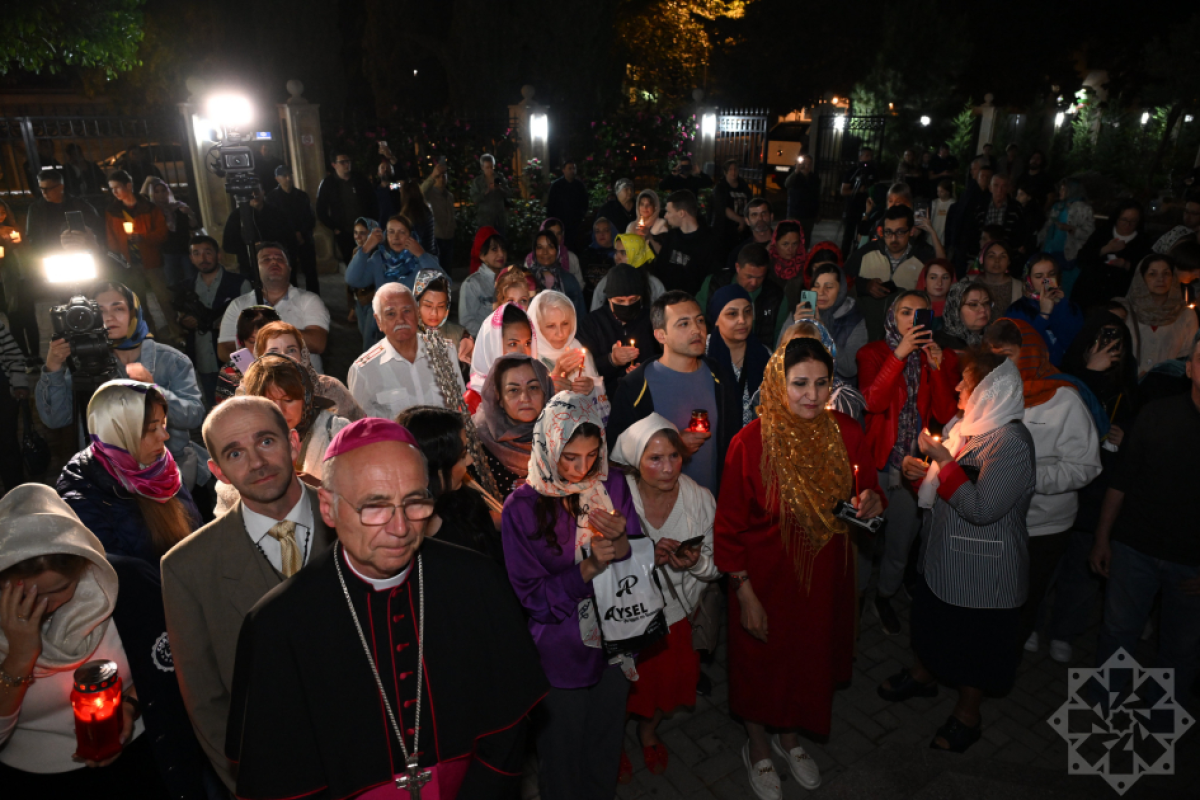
(958, 735)
(905, 687)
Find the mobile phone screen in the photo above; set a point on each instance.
(923, 317)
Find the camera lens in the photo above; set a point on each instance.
(80, 319)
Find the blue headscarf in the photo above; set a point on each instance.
(139, 331)
(754, 364)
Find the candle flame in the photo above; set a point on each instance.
(129, 227)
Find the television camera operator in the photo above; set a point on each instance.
(77, 363)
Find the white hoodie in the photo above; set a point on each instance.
(1067, 448)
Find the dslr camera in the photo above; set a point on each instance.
(849, 513)
(80, 323)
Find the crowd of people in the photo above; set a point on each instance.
(986, 398)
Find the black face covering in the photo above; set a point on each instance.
(627, 314)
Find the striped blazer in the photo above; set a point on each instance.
(976, 550)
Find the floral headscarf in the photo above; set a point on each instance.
(909, 424)
(952, 323)
(116, 417)
(805, 468)
(421, 283)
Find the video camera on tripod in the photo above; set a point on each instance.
(232, 160)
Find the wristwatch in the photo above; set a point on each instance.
(736, 581)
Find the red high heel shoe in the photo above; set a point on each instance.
(656, 758)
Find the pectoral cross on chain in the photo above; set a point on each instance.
(413, 778)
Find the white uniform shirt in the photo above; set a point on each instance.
(298, 307)
(385, 383)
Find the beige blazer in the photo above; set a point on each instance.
(210, 582)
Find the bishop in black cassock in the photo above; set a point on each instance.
(307, 720)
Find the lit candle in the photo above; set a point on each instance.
(856, 480)
(632, 343)
(1, 252)
(583, 360)
(99, 717)
(16, 237)
(128, 227)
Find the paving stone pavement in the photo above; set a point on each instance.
(880, 750)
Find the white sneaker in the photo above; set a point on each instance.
(800, 763)
(1031, 644)
(764, 780)
(1060, 651)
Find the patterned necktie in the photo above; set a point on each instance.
(285, 533)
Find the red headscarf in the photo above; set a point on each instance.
(790, 268)
(808, 260)
(1036, 370)
(481, 236)
(938, 305)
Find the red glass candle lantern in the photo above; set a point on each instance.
(699, 422)
(96, 701)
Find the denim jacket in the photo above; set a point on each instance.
(173, 374)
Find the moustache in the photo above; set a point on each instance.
(403, 326)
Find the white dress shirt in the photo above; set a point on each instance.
(298, 307)
(259, 526)
(385, 383)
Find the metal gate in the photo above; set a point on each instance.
(741, 135)
(141, 146)
(839, 138)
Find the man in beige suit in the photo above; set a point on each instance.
(212, 578)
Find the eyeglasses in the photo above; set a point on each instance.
(376, 514)
(890, 234)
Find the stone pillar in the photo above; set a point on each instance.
(705, 149)
(987, 123)
(532, 134)
(306, 154)
(208, 195)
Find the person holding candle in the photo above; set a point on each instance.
(974, 562)
(789, 561)
(572, 367)
(649, 223)
(60, 608)
(908, 382)
(673, 510)
(631, 249)
(620, 335)
(137, 230)
(514, 394)
(560, 530)
(1162, 326)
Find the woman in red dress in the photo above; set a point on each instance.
(790, 561)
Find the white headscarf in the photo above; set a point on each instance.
(489, 346)
(35, 521)
(997, 400)
(548, 354)
(632, 442)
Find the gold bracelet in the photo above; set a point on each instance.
(13, 682)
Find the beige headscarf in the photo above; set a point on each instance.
(34, 521)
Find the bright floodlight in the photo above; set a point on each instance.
(539, 127)
(925, 121)
(839, 122)
(708, 125)
(1058, 119)
(1145, 117)
(70, 268)
(230, 110)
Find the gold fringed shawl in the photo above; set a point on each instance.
(805, 469)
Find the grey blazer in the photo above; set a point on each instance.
(210, 582)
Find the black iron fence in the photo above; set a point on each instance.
(741, 135)
(142, 146)
(839, 138)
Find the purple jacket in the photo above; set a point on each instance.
(550, 586)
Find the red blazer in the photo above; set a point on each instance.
(881, 380)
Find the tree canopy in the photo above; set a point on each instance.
(47, 35)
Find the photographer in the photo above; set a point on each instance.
(855, 185)
(201, 304)
(139, 358)
(271, 225)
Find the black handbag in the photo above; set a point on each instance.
(34, 449)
